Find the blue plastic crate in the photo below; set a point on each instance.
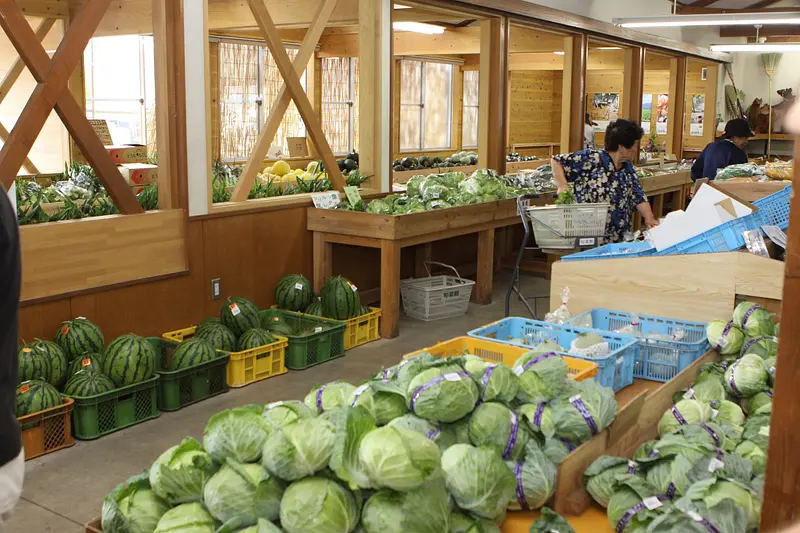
(726, 237)
(618, 250)
(773, 210)
(615, 370)
(658, 359)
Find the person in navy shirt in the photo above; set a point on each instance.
(724, 152)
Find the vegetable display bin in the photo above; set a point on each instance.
(48, 430)
(362, 329)
(616, 250)
(773, 210)
(614, 370)
(319, 340)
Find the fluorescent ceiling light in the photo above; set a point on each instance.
(757, 47)
(721, 19)
(418, 27)
(609, 48)
(401, 6)
(559, 53)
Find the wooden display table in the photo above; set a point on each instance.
(405, 175)
(551, 147)
(667, 191)
(512, 167)
(392, 233)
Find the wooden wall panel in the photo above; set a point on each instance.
(603, 81)
(41, 321)
(535, 106)
(696, 85)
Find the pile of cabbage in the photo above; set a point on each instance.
(430, 445)
(706, 470)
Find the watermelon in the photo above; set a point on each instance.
(239, 314)
(220, 337)
(192, 352)
(206, 323)
(277, 325)
(255, 338)
(293, 292)
(89, 363)
(36, 395)
(31, 364)
(78, 337)
(340, 299)
(129, 359)
(85, 384)
(365, 310)
(55, 362)
(315, 308)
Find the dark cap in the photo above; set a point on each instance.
(738, 127)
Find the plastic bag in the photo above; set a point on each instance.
(780, 170)
(562, 314)
(745, 170)
(633, 328)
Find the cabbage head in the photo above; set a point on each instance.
(478, 480)
(300, 449)
(601, 477)
(770, 363)
(329, 396)
(461, 523)
(239, 494)
(460, 431)
(442, 435)
(728, 413)
(756, 429)
(551, 522)
(713, 491)
(444, 393)
(558, 449)
(403, 372)
(764, 347)
(536, 479)
(379, 207)
(725, 337)
(708, 391)
(711, 372)
(631, 491)
(541, 376)
(263, 526)
(760, 404)
(495, 381)
(682, 413)
(568, 412)
(398, 458)
(747, 449)
(133, 507)
(753, 320)
(495, 426)
(539, 418)
(695, 517)
(351, 425)
(319, 505)
(412, 186)
(237, 433)
(179, 474)
(281, 414)
(670, 476)
(746, 377)
(424, 510)
(186, 518)
(385, 401)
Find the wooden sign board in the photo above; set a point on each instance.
(103, 133)
(298, 146)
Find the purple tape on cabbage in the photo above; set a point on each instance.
(769, 393)
(319, 397)
(512, 436)
(539, 359)
(435, 432)
(568, 444)
(537, 416)
(587, 416)
(711, 528)
(725, 332)
(523, 502)
(670, 491)
(748, 313)
(678, 416)
(385, 375)
(632, 467)
(630, 513)
(732, 383)
(712, 433)
(753, 341)
(359, 392)
(487, 375)
(422, 388)
(653, 454)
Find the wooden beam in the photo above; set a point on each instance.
(285, 95)
(769, 30)
(633, 87)
(690, 10)
(374, 122)
(573, 103)
(677, 106)
(295, 88)
(492, 110)
(762, 4)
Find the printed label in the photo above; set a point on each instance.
(715, 464)
(317, 329)
(714, 414)
(298, 286)
(764, 431)
(234, 309)
(24, 389)
(86, 362)
(26, 350)
(353, 287)
(586, 241)
(519, 371)
(452, 377)
(435, 195)
(65, 330)
(361, 389)
(689, 394)
(575, 398)
(694, 516)
(652, 503)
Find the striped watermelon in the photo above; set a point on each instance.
(277, 325)
(315, 308)
(78, 337)
(254, 338)
(365, 310)
(31, 364)
(36, 395)
(340, 299)
(92, 363)
(210, 322)
(293, 292)
(192, 352)
(55, 362)
(129, 359)
(220, 337)
(239, 314)
(85, 384)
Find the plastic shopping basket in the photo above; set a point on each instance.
(569, 226)
(436, 297)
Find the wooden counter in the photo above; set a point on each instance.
(667, 192)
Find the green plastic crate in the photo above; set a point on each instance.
(323, 342)
(95, 416)
(179, 388)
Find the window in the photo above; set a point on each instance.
(249, 82)
(425, 105)
(340, 103)
(469, 126)
(120, 87)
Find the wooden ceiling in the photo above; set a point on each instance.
(773, 33)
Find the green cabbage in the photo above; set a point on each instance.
(460, 430)
(541, 376)
(682, 413)
(728, 413)
(711, 372)
(760, 404)
(351, 425)
(239, 494)
(424, 510)
(558, 449)
(444, 393)
(495, 426)
(329, 396)
(379, 207)
(568, 419)
(319, 505)
(186, 518)
(386, 401)
(300, 449)
(689, 517)
(753, 320)
(748, 450)
(708, 391)
(539, 418)
(478, 480)
(263, 526)
(536, 479)
(179, 474)
(404, 372)
(756, 429)
(630, 493)
(237, 433)
(601, 477)
(551, 522)
(713, 491)
(495, 381)
(764, 347)
(133, 507)
(398, 458)
(443, 436)
(725, 337)
(281, 414)
(460, 523)
(746, 377)
(670, 476)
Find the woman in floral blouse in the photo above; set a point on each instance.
(608, 176)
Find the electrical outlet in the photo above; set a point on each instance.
(216, 289)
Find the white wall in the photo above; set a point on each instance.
(750, 76)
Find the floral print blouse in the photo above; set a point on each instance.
(595, 180)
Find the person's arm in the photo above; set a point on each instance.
(647, 214)
(738, 156)
(697, 167)
(559, 178)
(564, 170)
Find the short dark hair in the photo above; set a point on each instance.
(622, 132)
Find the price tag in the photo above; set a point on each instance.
(273, 405)
(352, 287)
(689, 394)
(715, 464)
(652, 503)
(519, 371)
(764, 431)
(359, 391)
(523, 206)
(298, 286)
(24, 389)
(586, 241)
(435, 195)
(632, 465)
(86, 362)
(317, 329)
(353, 196)
(234, 309)
(714, 414)
(575, 398)
(452, 377)
(325, 200)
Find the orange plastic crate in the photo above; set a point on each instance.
(48, 430)
(495, 352)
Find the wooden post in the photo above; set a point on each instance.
(390, 289)
(710, 119)
(677, 105)
(323, 261)
(782, 486)
(633, 87)
(314, 73)
(492, 131)
(573, 99)
(482, 293)
(422, 254)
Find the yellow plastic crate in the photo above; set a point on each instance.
(362, 329)
(249, 366)
(495, 352)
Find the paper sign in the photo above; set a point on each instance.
(325, 200)
(652, 503)
(353, 196)
(317, 329)
(661, 128)
(298, 146)
(274, 152)
(234, 309)
(100, 128)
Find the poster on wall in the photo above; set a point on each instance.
(605, 108)
(698, 112)
(647, 112)
(662, 114)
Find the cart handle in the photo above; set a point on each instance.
(437, 263)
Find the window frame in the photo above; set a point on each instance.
(449, 113)
(464, 107)
(350, 103)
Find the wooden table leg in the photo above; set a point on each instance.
(422, 253)
(658, 206)
(323, 263)
(390, 289)
(482, 293)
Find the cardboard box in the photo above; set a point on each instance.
(127, 153)
(102, 131)
(298, 146)
(139, 173)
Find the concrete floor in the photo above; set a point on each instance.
(64, 490)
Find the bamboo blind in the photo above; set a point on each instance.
(340, 102)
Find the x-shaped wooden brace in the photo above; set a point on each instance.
(292, 89)
(52, 78)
